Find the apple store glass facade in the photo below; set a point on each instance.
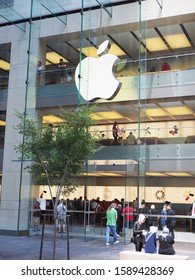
(139, 72)
(116, 161)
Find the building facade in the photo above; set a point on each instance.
(154, 99)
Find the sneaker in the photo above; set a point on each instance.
(107, 244)
(116, 242)
(118, 235)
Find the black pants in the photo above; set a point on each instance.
(138, 246)
(171, 231)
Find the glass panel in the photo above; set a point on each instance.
(11, 14)
(141, 100)
(35, 53)
(106, 6)
(54, 8)
(7, 3)
(150, 102)
(4, 82)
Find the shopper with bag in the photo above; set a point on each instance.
(139, 233)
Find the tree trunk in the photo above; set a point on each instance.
(55, 222)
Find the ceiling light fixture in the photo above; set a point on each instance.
(54, 57)
(92, 51)
(178, 41)
(4, 65)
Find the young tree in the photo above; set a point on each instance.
(57, 154)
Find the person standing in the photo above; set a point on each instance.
(127, 213)
(152, 220)
(139, 233)
(62, 66)
(119, 222)
(143, 210)
(40, 70)
(36, 215)
(94, 207)
(170, 221)
(165, 67)
(115, 132)
(131, 139)
(163, 219)
(111, 215)
(62, 211)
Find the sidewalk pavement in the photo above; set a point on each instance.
(28, 248)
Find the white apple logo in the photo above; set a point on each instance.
(95, 78)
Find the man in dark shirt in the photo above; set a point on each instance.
(152, 220)
(170, 221)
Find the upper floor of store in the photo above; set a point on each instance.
(143, 34)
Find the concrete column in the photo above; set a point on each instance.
(16, 182)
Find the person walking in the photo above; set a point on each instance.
(111, 215)
(139, 233)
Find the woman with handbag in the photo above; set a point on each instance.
(139, 233)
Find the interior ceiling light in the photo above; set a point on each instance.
(52, 119)
(54, 58)
(92, 51)
(179, 174)
(116, 50)
(4, 65)
(157, 174)
(89, 51)
(155, 112)
(2, 123)
(89, 174)
(176, 111)
(109, 174)
(112, 115)
(110, 162)
(155, 44)
(177, 41)
(48, 62)
(179, 110)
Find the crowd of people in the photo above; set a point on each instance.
(145, 230)
(142, 226)
(139, 225)
(65, 74)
